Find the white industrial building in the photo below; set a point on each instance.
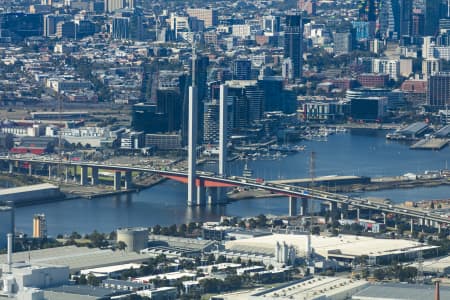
(308, 288)
(30, 193)
(341, 248)
(23, 281)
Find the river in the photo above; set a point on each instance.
(356, 153)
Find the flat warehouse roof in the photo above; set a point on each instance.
(77, 258)
(400, 292)
(349, 245)
(27, 188)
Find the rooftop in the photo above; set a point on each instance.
(414, 128)
(111, 269)
(77, 258)
(82, 290)
(348, 245)
(400, 292)
(28, 188)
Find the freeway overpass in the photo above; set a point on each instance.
(211, 180)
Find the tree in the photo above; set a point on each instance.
(121, 245)
(156, 229)
(315, 230)
(97, 239)
(241, 224)
(182, 229)
(211, 285)
(261, 220)
(252, 223)
(82, 280)
(92, 280)
(379, 274)
(211, 259)
(173, 230)
(191, 227)
(407, 274)
(75, 235)
(365, 273)
(221, 259)
(232, 282)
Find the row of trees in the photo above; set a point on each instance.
(398, 271)
(182, 230)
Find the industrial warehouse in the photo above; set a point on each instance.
(30, 194)
(340, 248)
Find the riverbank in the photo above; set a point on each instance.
(13, 180)
(73, 190)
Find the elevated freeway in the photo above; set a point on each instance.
(211, 180)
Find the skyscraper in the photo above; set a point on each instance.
(248, 101)
(112, 5)
(389, 19)
(432, 17)
(242, 69)
(438, 93)
(170, 103)
(406, 7)
(211, 123)
(39, 226)
(343, 42)
(208, 15)
(271, 24)
(199, 79)
(293, 38)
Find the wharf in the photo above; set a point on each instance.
(371, 126)
(430, 144)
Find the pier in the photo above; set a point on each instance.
(430, 144)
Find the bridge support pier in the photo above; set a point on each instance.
(357, 214)
(83, 175)
(75, 173)
(128, 180)
(66, 172)
(412, 225)
(427, 222)
(223, 140)
(292, 206)
(94, 175)
(201, 195)
(438, 226)
(11, 167)
(30, 169)
(117, 180)
(384, 218)
(213, 195)
(49, 172)
(304, 207)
